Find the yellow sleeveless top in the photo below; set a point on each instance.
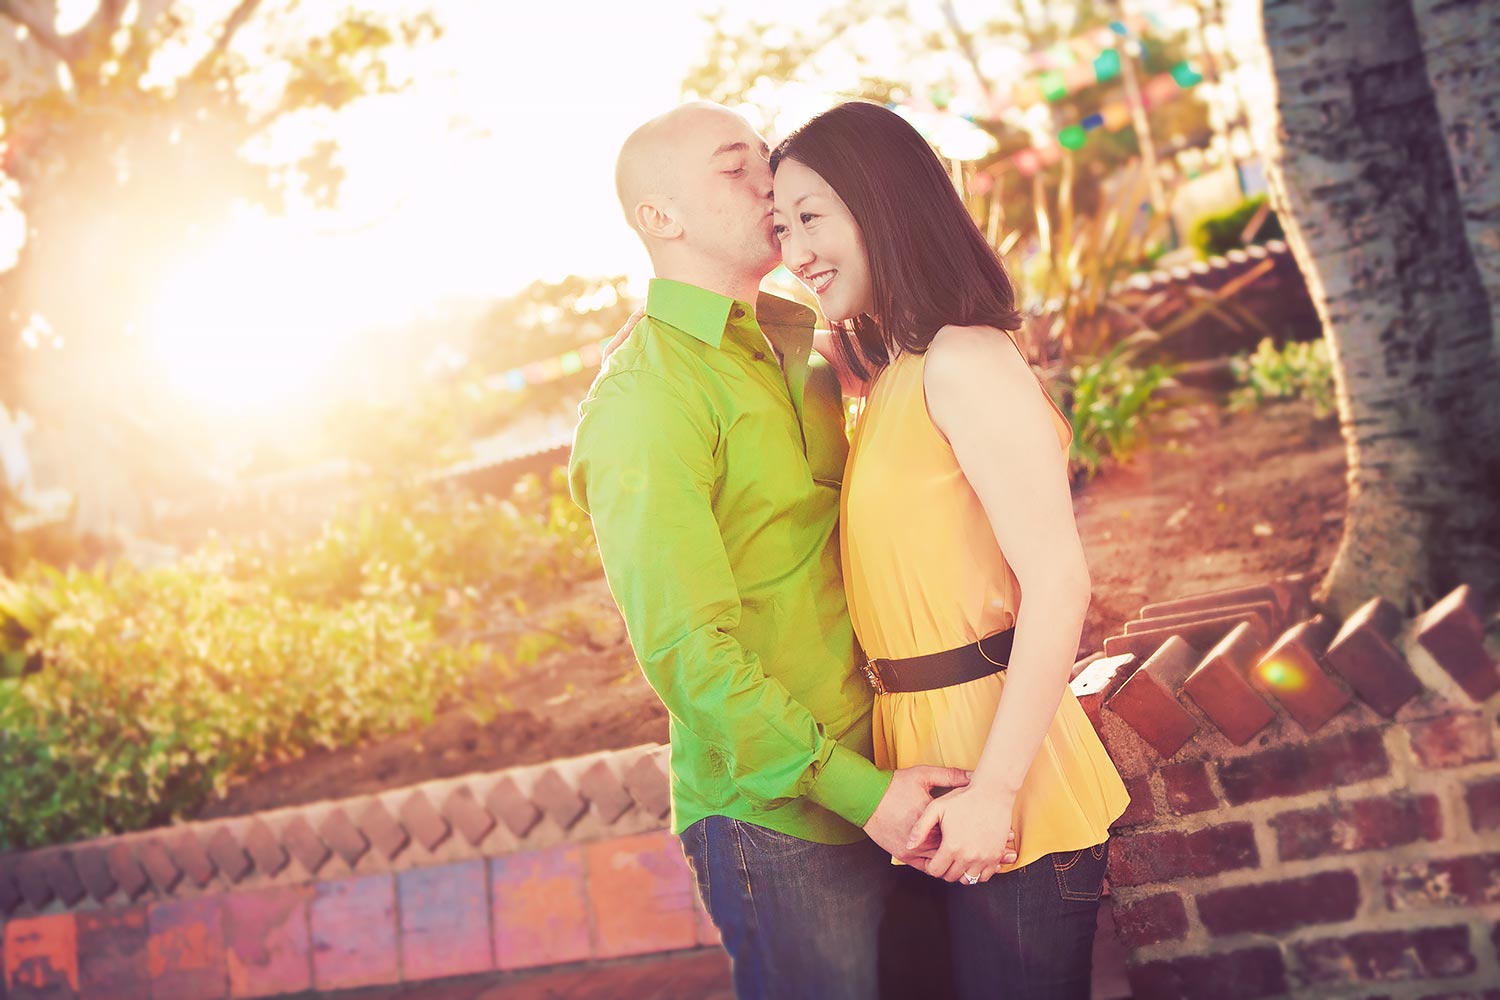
(924, 573)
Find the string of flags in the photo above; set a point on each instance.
(947, 117)
(590, 355)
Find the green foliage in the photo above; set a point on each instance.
(1299, 370)
(158, 689)
(1112, 397)
(1217, 233)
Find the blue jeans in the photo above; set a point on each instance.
(1028, 934)
(820, 921)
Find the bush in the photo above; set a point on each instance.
(157, 689)
(1299, 370)
(1112, 398)
(1219, 232)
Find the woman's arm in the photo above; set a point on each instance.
(984, 398)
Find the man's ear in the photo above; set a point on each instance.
(656, 221)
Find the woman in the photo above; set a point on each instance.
(955, 504)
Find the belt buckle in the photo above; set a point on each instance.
(868, 669)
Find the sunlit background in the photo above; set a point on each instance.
(304, 278)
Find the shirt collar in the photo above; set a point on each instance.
(705, 315)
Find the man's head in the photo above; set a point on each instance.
(695, 184)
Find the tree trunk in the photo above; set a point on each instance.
(1364, 183)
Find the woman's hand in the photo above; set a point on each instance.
(624, 332)
(976, 834)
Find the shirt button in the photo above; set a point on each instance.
(760, 355)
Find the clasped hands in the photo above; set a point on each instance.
(966, 832)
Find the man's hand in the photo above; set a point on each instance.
(619, 338)
(904, 802)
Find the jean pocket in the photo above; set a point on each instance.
(1080, 874)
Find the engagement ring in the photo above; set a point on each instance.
(971, 879)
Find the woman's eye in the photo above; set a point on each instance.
(807, 217)
(779, 230)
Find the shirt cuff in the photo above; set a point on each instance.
(849, 785)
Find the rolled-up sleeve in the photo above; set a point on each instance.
(643, 468)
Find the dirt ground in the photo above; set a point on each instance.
(1218, 500)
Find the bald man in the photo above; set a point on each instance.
(710, 454)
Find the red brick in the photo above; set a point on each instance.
(1280, 593)
(558, 799)
(1472, 880)
(1235, 975)
(1275, 907)
(112, 954)
(1264, 611)
(62, 875)
(1374, 824)
(425, 823)
(382, 831)
(1148, 700)
(606, 791)
(265, 848)
(185, 949)
(1141, 809)
(231, 860)
(445, 921)
(1289, 672)
(41, 955)
(158, 864)
(93, 871)
(127, 870)
(353, 926)
(1162, 917)
(541, 911)
(1188, 788)
(32, 878)
(1453, 632)
(10, 890)
(1198, 634)
(506, 800)
(347, 840)
(464, 812)
(1387, 956)
(641, 895)
(267, 942)
(1344, 759)
(1219, 686)
(1142, 858)
(1099, 681)
(187, 850)
(646, 781)
(1483, 800)
(1362, 654)
(1453, 740)
(304, 844)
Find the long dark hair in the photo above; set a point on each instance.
(929, 264)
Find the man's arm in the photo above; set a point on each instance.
(643, 468)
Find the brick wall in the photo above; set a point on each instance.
(1315, 806)
(560, 863)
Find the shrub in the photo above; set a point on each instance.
(1299, 370)
(1219, 232)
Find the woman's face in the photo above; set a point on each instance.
(821, 243)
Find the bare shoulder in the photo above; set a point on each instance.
(970, 357)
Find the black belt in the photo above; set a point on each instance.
(936, 670)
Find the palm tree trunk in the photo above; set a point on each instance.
(1364, 182)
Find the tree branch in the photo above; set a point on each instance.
(64, 47)
(242, 12)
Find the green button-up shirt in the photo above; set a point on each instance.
(712, 475)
